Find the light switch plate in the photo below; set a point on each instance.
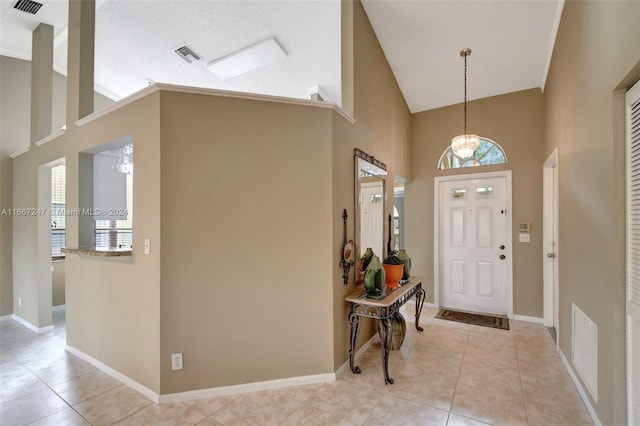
(147, 246)
(524, 238)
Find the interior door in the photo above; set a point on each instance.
(473, 263)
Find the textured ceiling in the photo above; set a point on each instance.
(135, 41)
(511, 41)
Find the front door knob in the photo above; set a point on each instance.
(502, 247)
(503, 257)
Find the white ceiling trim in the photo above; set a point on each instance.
(211, 92)
(552, 42)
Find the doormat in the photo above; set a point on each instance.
(475, 319)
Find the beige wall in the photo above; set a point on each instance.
(58, 298)
(246, 256)
(15, 89)
(12, 110)
(226, 293)
(516, 122)
(112, 305)
(382, 128)
(597, 54)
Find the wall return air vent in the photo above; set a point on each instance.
(186, 53)
(28, 6)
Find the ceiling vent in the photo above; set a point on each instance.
(186, 53)
(28, 6)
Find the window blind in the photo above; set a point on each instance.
(58, 206)
(118, 233)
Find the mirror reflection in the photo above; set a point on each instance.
(370, 204)
(398, 213)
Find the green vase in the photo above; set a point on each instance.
(366, 258)
(406, 261)
(398, 331)
(374, 278)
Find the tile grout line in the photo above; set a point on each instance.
(457, 379)
(69, 405)
(53, 390)
(524, 398)
(455, 388)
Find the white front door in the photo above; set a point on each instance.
(474, 257)
(372, 217)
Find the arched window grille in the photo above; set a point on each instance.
(488, 153)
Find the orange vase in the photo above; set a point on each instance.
(393, 275)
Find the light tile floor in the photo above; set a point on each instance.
(450, 374)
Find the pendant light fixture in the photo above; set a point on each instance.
(465, 145)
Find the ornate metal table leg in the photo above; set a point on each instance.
(355, 329)
(419, 302)
(384, 329)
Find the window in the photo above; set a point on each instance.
(458, 193)
(488, 153)
(58, 206)
(117, 233)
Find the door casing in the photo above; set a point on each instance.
(550, 220)
(509, 231)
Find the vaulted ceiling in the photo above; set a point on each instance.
(512, 41)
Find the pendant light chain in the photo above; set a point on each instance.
(465, 92)
(464, 146)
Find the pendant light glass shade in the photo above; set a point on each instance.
(464, 146)
(124, 159)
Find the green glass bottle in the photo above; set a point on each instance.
(374, 278)
(366, 258)
(406, 261)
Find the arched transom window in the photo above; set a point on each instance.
(488, 153)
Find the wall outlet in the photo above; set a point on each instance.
(19, 301)
(176, 361)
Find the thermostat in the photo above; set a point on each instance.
(525, 227)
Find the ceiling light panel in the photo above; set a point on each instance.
(248, 59)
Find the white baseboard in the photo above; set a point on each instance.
(202, 393)
(115, 374)
(343, 368)
(528, 319)
(30, 326)
(583, 394)
(424, 304)
(247, 387)
(59, 308)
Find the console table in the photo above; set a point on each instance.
(382, 309)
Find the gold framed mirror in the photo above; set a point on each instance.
(370, 207)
